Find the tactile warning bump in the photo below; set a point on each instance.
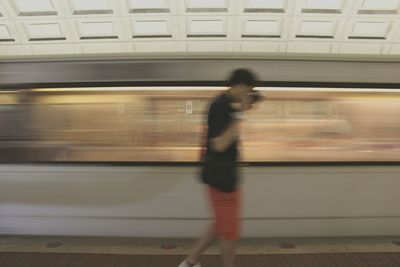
(296, 260)
(97, 260)
(287, 245)
(166, 261)
(132, 260)
(54, 244)
(310, 260)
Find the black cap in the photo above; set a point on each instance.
(242, 76)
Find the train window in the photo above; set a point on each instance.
(166, 124)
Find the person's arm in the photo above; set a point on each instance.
(223, 141)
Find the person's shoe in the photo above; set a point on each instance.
(185, 264)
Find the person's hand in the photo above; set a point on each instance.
(246, 104)
(256, 96)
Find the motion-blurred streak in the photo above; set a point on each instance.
(166, 125)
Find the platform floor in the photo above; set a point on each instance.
(22, 259)
(36, 251)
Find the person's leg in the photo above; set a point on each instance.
(206, 239)
(228, 248)
(202, 244)
(229, 217)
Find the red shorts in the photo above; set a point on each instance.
(226, 207)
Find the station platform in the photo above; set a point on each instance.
(32, 251)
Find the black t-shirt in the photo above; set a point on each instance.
(218, 120)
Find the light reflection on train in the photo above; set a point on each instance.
(166, 125)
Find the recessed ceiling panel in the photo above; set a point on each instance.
(206, 5)
(323, 6)
(206, 28)
(303, 26)
(151, 29)
(97, 30)
(34, 7)
(269, 6)
(5, 35)
(262, 28)
(370, 30)
(316, 29)
(148, 6)
(85, 7)
(45, 31)
(379, 7)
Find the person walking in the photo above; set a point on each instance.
(219, 170)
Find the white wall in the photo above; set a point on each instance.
(169, 202)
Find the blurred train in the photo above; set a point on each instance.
(164, 124)
(121, 158)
